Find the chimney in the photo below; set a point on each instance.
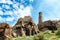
(40, 20)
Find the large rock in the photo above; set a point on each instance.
(27, 25)
(4, 31)
(49, 25)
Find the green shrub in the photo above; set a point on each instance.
(58, 33)
(38, 37)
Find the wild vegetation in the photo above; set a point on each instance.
(47, 35)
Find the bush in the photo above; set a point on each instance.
(38, 37)
(58, 33)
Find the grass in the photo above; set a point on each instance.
(47, 35)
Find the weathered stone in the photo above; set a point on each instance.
(50, 25)
(40, 21)
(28, 27)
(4, 31)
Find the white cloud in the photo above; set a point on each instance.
(6, 1)
(21, 6)
(9, 19)
(31, 0)
(8, 13)
(0, 8)
(2, 1)
(9, 2)
(16, 6)
(50, 1)
(25, 12)
(1, 13)
(22, 11)
(6, 6)
(2, 20)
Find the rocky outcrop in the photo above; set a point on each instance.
(4, 31)
(50, 25)
(26, 26)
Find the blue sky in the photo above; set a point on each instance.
(12, 10)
